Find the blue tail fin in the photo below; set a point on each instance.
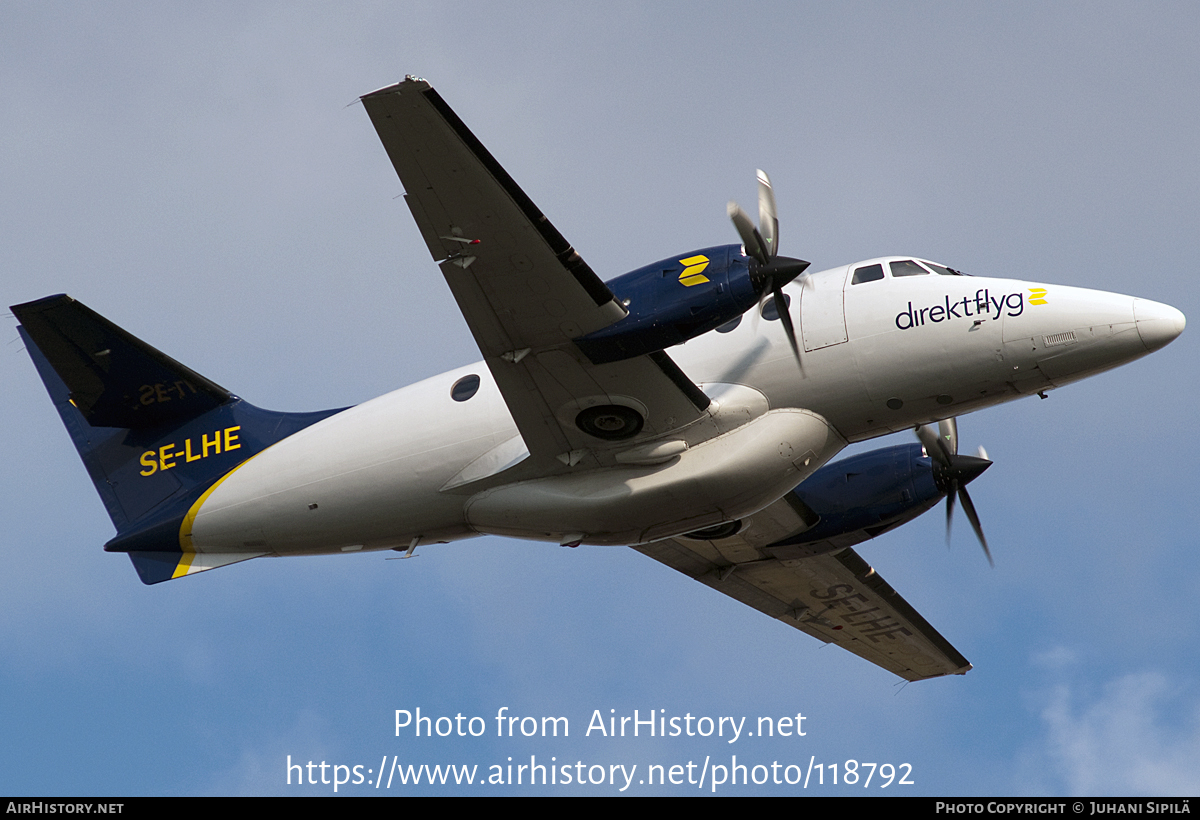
(153, 434)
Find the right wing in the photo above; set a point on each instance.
(835, 596)
(524, 291)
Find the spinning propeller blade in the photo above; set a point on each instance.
(768, 222)
(952, 473)
(751, 239)
(772, 271)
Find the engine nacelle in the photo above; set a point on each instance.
(731, 476)
(863, 496)
(675, 300)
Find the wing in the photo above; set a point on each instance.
(834, 596)
(525, 292)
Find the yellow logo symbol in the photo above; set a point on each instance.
(1037, 296)
(693, 271)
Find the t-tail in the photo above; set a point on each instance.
(156, 437)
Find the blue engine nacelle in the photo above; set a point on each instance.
(675, 300)
(861, 497)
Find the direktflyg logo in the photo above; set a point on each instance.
(983, 304)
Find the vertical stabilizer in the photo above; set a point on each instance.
(153, 434)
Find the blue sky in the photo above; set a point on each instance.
(202, 177)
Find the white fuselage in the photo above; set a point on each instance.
(877, 357)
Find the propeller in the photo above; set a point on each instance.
(769, 272)
(952, 473)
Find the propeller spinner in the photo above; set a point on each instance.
(952, 473)
(772, 271)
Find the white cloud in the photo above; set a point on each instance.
(1140, 735)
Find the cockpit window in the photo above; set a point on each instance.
(868, 274)
(908, 268)
(944, 271)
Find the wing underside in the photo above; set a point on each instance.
(524, 291)
(836, 597)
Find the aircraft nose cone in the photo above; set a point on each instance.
(1157, 324)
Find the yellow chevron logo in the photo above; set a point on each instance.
(693, 271)
(1037, 296)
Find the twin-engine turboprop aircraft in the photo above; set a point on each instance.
(580, 428)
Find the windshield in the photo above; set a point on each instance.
(943, 270)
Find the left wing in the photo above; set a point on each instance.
(524, 291)
(836, 597)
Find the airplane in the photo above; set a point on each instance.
(679, 408)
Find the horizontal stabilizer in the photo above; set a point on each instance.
(156, 567)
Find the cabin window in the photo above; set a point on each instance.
(770, 312)
(465, 388)
(730, 325)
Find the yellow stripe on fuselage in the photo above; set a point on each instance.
(185, 529)
(185, 563)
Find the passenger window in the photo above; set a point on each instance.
(867, 274)
(908, 268)
(731, 324)
(770, 311)
(465, 388)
